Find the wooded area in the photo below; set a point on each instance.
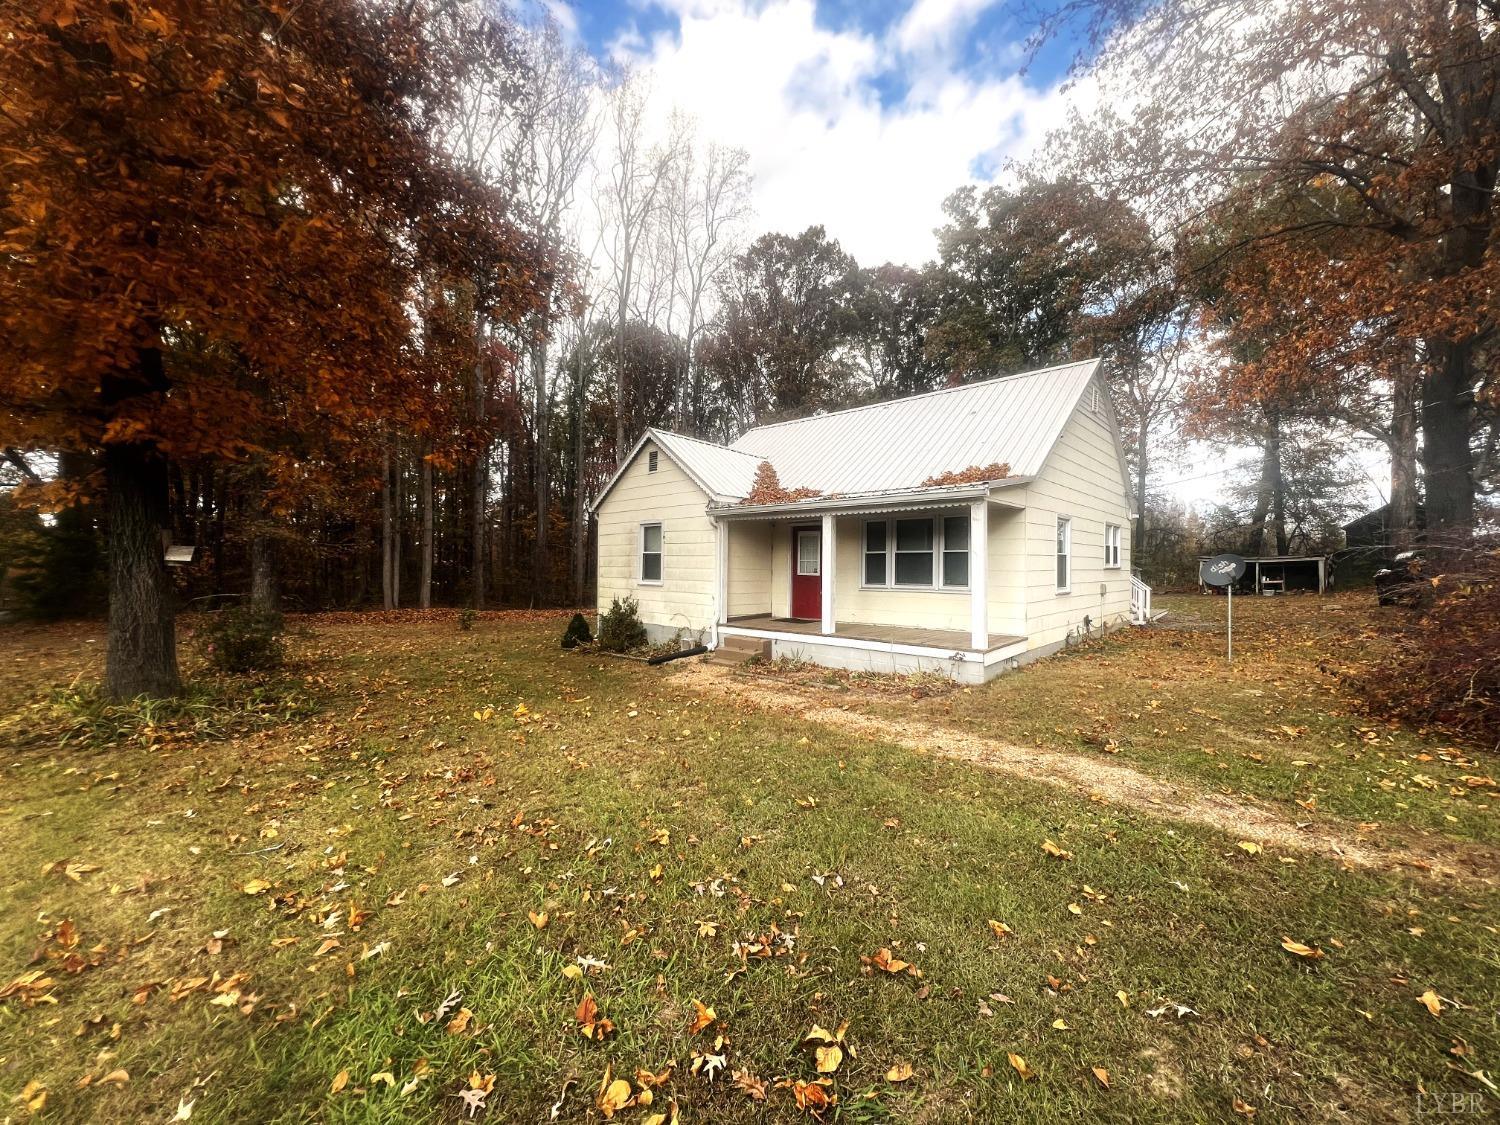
(365, 300)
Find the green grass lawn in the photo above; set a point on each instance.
(1278, 725)
(257, 910)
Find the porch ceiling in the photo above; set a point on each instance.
(953, 640)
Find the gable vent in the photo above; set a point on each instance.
(651, 461)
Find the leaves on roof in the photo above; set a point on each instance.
(768, 490)
(974, 474)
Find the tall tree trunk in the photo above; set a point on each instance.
(142, 649)
(1255, 540)
(543, 564)
(1447, 460)
(479, 498)
(265, 594)
(265, 591)
(1138, 552)
(398, 489)
(387, 514)
(1404, 423)
(1276, 532)
(425, 593)
(580, 485)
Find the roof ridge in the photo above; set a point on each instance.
(699, 441)
(913, 398)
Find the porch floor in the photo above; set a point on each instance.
(951, 639)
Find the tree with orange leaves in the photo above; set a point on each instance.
(1363, 134)
(215, 220)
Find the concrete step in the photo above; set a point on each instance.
(729, 658)
(750, 646)
(739, 650)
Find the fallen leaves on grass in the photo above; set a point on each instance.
(1054, 851)
(828, 1047)
(899, 1072)
(1301, 950)
(1021, 1066)
(811, 1097)
(256, 887)
(703, 1015)
(1102, 1075)
(591, 1023)
(1432, 1002)
(887, 962)
(748, 1084)
(1000, 929)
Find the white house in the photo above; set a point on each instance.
(883, 569)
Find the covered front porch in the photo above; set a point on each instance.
(923, 579)
(947, 640)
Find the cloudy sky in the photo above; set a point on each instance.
(861, 115)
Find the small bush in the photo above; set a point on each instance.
(620, 629)
(243, 639)
(466, 619)
(577, 632)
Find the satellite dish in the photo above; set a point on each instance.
(1221, 570)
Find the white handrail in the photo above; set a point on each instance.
(1140, 602)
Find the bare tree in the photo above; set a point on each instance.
(628, 198)
(705, 205)
(551, 140)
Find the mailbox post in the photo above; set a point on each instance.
(1224, 570)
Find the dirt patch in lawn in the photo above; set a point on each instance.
(1098, 779)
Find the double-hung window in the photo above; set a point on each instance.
(914, 541)
(651, 543)
(1064, 554)
(920, 552)
(956, 550)
(1112, 546)
(875, 540)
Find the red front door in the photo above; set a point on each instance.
(807, 579)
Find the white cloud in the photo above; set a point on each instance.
(936, 22)
(804, 100)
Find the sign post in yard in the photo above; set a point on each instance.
(1224, 570)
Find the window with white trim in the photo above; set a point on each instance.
(914, 544)
(1112, 546)
(956, 551)
(875, 547)
(651, 461)
(1064, 554)
(924, 553)
(651, 551)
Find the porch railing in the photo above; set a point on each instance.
(1140, 602)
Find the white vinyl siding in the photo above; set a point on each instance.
(1084, 480)
(684, 597)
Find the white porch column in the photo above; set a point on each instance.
(979, 574)
(721, 577)
(826, 572)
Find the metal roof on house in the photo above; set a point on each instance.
(899, 444)
(724, 473)
(890, 446)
